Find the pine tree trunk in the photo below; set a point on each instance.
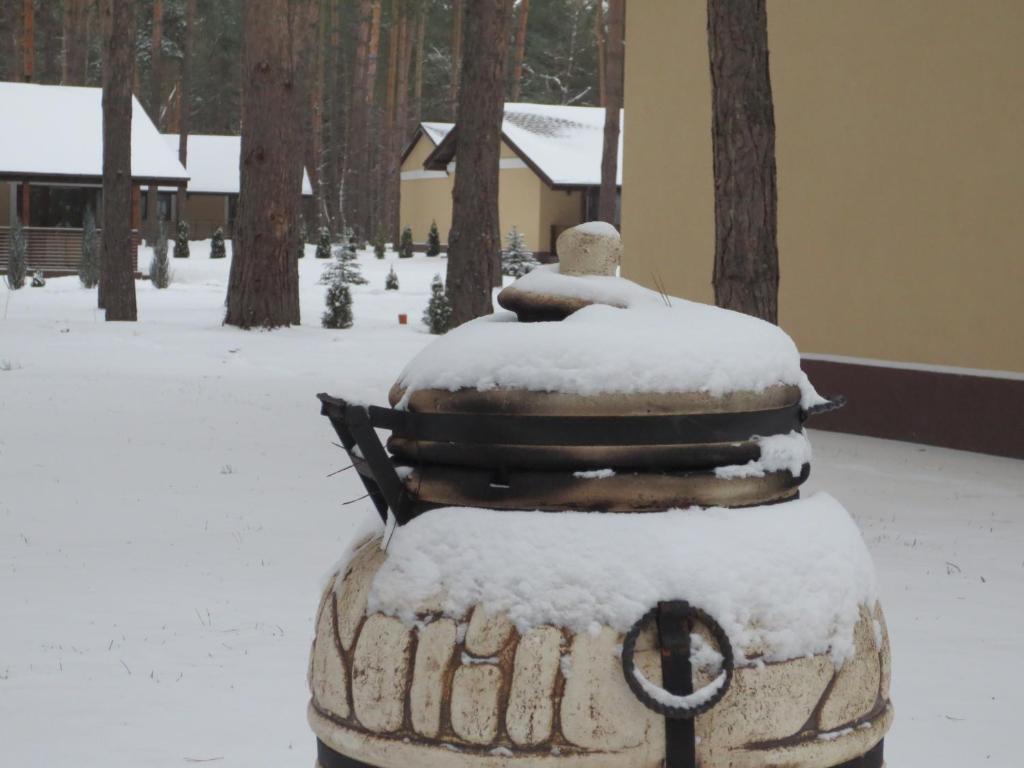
(263, 289)
(599, 38)
(746, 274)
(421, 39)
(185, 99)
(28, 41)
(614, 55)
(356, 165)
(315, 134)
(76, 44)
(520, 51)
(458, 12)
(338, 92)
(156, 65)
(474, 242)
(117, 279)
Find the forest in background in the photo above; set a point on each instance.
(376, 69)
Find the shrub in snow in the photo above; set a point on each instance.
(38, 281)
(17, 264)
(391, 281)
(438, 314)
(405, 244)
(217, 250)
(517, 260)
(181, 241)
(344, 268)
(433, 240)
(323, 244)
(378, 243)
(339, 307)
(89, 263)
(159, 267)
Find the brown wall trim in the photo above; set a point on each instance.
(970, 413)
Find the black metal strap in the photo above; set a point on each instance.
(674, 627)
(496, 429)
(328, 758)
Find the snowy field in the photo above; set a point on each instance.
(166, 518)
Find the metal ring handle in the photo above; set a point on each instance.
(633, 675)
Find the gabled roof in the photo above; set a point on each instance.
(213, 163)
(435, 133)
(56, 131)
(561, 144)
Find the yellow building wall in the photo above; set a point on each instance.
(900, 171)
(523, 200)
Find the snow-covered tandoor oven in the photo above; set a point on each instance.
(591, 549)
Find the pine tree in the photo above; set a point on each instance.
(344, 268)
(378, 243)
(159, 267)
(405, 245)
(217, 250)
(16, 260)
(181, 241)
(339, 307)
(517, 260)
(438, 314)
(391, 281)
(433, 240)
(303, 237)
(89, 264)
(323, 244)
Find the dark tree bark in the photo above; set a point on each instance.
(263, 289)
(156, 65)
(613, 69)
(474, 242)
(458, 12)
(76, 41)
(520, 50)
(421, 39)
(28, 41)
(117, 278)
(356, 193)
(185, 99)
(599, 38)
(338, 95)
(746, 275)
(315, 135)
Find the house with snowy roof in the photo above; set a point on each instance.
(211, 197)
(51, 168)
(550, 173)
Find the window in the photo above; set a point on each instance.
(58, 206)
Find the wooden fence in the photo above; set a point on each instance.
(55, 251)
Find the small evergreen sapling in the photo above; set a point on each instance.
(181, 241)
(339, 307)
(378, 243)
(89, 264)
(517, 260)
(405, 244)
(433, 240)
(17, 259)
(323, 244)
(303, 237)
(159, 267)
(438, 314)
(217, 250)
(391, 281)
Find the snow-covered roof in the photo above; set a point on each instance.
(213, 163)
(57, 131)
(562, 144)
(436, 131)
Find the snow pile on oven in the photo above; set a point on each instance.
(783, 581)
(632, 340)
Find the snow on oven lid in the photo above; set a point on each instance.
(630, 340)
(784, 582)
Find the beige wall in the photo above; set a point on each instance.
(204, 213)
(523, 200)
(900, 166)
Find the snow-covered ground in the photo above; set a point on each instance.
(166, 518)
